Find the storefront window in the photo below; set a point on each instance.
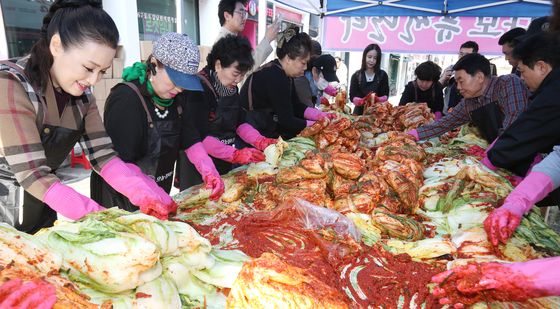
(23, 21)
(190, 20)
(156, 17)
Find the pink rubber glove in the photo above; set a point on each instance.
(381, 99)
(37, 294)
(498, 282)
(204, 165)
(140, 189)
(330, 90)
(502, 222)
(437, 115)
(309, 122)
(486, 162)
(358, 101)
(315, 114)
(217, 149)
(68, 202)
(414, 134)
(253, 137)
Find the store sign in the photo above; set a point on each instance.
(419, 34)
(290, 16)
(154, 25)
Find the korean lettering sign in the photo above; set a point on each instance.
(417, 34)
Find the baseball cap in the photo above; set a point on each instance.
(536, 26)
(180, 57)
(327, 65)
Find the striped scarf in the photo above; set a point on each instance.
(221, 90)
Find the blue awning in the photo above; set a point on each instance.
(480, 8)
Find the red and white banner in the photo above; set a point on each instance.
(421, 34)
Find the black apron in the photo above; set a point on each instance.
(263, 120)
(57, 143)
(364, 88)
(157, 163)
(223, 121)
(19, 208)
(488, 119)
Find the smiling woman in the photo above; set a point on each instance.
(48, 107)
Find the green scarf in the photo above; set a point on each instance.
(138, 72)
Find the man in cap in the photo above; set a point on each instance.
(507, 41)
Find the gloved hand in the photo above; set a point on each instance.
(247, 155)
(330, 90)
(502, 222)
(498, 282)
(68, 202)
(358, 101)
(485, 161)
(140, 189)
(199, 158)
(217, 149)
(325, 101)
(414, 134)
(438, 115)
(253, 137)
(309, 122)
(37, 294)
(315, 114)
(381, 99)
(264, 142)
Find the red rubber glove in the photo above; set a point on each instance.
(36, 294)
(499, 282)
(325, 101)
(140, 189)
(503, 222)
(247, 155)
(264, 142)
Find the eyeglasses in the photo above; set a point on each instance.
(243, 13)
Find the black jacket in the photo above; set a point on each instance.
(273, 90)
(537, 130)
(360, 88)
(432, 96)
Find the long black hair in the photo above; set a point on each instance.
(369, 48)
(77, 22)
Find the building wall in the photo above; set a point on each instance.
(208, 21)
(124, 13)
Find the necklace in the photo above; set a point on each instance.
(161, 115)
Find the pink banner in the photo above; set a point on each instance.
(433, 35)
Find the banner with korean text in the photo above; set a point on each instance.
(417, 34)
